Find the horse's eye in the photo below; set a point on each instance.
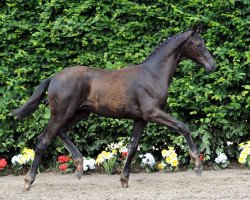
(198, 45)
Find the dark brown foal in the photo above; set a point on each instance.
(136, 92)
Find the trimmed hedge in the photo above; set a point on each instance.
(39, 38)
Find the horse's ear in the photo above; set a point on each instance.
(197, 28)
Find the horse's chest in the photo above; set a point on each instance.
(160, 94)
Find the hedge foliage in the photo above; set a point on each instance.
(39, 38)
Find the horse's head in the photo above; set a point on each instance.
(196, 50)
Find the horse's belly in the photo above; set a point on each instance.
(112, 106)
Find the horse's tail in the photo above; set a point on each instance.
(28, 108)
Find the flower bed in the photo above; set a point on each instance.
(112, 159)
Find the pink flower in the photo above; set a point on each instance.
(3, 163)
(63, 159)
(124, 153)
(63, 167)
(201, 157)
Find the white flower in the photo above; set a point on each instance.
(229, 143)
(222, 158)
(148, 159)
(14, 160)
(88, 164)
(165, 153)
(115, 146)
(19, 159)
(91, 164)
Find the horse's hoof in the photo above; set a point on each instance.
(27, 185)
(198, 171)
(26, 188)
(78, 174)
(124, 181)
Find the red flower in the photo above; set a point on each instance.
(3, 163)
(124, 153)
(63, 159)
(201, 157)
(63, 167)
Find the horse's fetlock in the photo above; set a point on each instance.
(78, 161)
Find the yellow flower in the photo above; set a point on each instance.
(174, 163)
(21, 160)
(242, 160)
(246, 150)
(164, 152)
(248, 142)
(241, 144)
(244, 154)
(114, 151)
(168, 159)
(160, 166)
(173, 155)
(107, 155)
(28, 151)
(99, 159)
(26, 156)
(171, 148)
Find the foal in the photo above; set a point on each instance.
(137, 92)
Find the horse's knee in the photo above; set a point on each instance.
(149, 115)
(40, 146)
(133, 149)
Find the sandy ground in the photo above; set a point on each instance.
(225, 184)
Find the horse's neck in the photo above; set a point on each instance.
(165, 69)
(164, 63)
(165, 58)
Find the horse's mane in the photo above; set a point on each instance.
(160, 45)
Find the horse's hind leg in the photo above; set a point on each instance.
(76, 154)
(43, 141)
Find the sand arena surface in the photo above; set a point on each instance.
(226, 184)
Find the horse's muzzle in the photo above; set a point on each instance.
(210, 68)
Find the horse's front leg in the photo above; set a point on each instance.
(160, 117)
(135, 138)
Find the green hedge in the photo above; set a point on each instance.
(39, 38)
